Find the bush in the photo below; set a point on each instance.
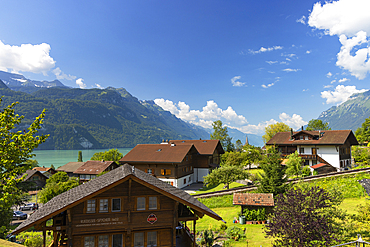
(253, 214)
(208, 238)
(235, 233)
(33, 239)
(306, 171)
(223, 227)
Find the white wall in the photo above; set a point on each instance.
(179, 183)
(330, 154)
(200, 173)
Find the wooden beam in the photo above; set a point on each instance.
(44, 235)
(175, 223)
(194, 233)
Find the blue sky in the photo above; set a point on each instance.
(248, 63)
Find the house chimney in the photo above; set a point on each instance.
(302, 127)
(291, 134)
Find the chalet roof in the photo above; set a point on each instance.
(105, 182)
(70, 167)
(328, 137)
(43, 169)
(30, 173)
(93, 167)
(253, 199)
(157, 153)
(204, 147)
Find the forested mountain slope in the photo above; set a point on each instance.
(350, 114)
(96, 118)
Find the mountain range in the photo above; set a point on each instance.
(94, 118)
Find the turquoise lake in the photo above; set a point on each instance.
(62, 157)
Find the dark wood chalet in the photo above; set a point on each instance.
(332, 147)
(177, 162)
(70, 168)
(124, 207)
(90, 169)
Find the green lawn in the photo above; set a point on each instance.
(255, 234)
(217, 188)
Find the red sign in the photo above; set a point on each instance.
(152, 218)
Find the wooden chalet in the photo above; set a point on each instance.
(124, 207)
(332, 147)
(45, 169)
(34, 180)
(70, 168)
(90, 169)
(179, 163)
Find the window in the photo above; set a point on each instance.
(103, 241)
(301, 150)
(150, 171)
(184, 180)
(306, 137)
(189, 179)
(90, 206)
(139, 239)
(117, 240)
(300, 137)
(103, 206)
(140, 205)
(116, 204)
(89, 241)
(152, 239)
(165, 172)
(152, 202)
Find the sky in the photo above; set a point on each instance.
(246, 63)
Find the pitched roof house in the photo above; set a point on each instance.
(70, 168)
(124, 207)
(179, 162)
(34, 179)
(332, 147)
(90, 169)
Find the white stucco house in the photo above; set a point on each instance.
(331, 147)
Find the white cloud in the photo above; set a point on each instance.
(271, 62)
(268, 85)
(328, 86)
(98, 86)
(302, 20)
(308, 52)
(263, 49)
(26, 58)
(329, 74)
(350, 21)
(237, 83)
(341, 94)
(291, 70)
(295, 121)
(80, 83)
(343, 80)
(61, 75)
(333, 81)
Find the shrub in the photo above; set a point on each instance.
(208, 238)
(235, 233)
(306, 171)
(223, 227)
(33, 239)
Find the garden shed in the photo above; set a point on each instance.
(254, 201)
(323, 168)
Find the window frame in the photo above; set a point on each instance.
(120, 204)
(107, 210)
(87, 207)
(147, 203)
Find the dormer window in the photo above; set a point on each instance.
(300, 137)
(306, 137)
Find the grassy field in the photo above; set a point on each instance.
(4, 243)
(216, 188)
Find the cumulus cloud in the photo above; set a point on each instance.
(26, 58)
(268, 85)
(263, 49)
(271, 62)
(236, 83)
(291, 70)
(98, 86)
(302, 20)
(343, 80)
(61, 75)
(80, 83)
(295, 121)
(308, 52)
(329, 74)
(340, 94)
(350, 21)
(229, 117)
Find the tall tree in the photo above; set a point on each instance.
(79, 156)
(253, 154)
(220, 133)
(294, 164)
(110, 155)
(273, 180)
(304, 218)
(226, 175)
(317, 124)
(363, 133)
(272, 129)
(238, 145)
(16, 148)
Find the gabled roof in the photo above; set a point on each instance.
(30, 173)
(70, 166)
(157, 153)
(94, 167)
(328, 137)
(253, 199)
(43, 169)
(105, 182)
(204, 147)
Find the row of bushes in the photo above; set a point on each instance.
(255, 215)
